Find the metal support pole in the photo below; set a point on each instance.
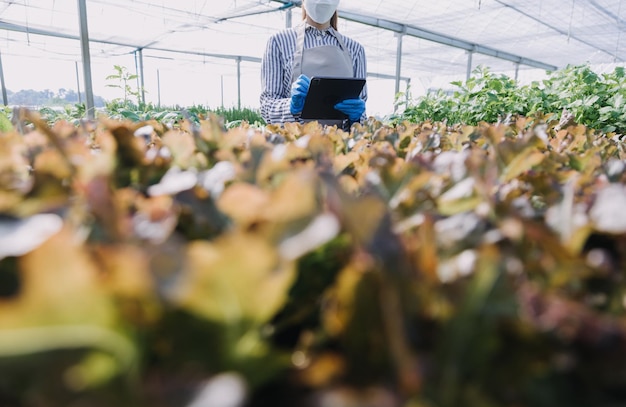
(5, 99)
(158, 88)
(399, 61)
(80, 98)
(288, 18)
(406, 94)
(141, 83)
(516, 71)
(470, 54)
(222, 89)
(84, 41)
(239, 83)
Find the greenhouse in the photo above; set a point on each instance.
(209, 52)
(316, 203)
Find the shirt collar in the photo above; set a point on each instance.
(315, 30)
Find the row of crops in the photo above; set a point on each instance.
(412, 262)
(596, 100)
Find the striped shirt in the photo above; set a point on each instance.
(277, 68)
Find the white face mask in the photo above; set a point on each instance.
(320, 11)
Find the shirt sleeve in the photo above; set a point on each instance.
(275, 95)
(360, 71)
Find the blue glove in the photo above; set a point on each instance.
(354, 108)
(299, 89)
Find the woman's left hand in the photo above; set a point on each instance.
(354, 108)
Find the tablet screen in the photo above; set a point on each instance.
(325, 92)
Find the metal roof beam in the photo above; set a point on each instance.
(206, 54)
(434, 37)
(594, 4)
(37, 31)
(385, 76)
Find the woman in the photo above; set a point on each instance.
(313, 48)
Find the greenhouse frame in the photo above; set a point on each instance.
(217, 47)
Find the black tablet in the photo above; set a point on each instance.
(324, 93)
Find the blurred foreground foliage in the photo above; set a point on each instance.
(414, 265)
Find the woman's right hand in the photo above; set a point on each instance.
(299, 90)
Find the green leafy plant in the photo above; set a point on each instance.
(594, 100)
(5, 122)
(122, 79)
(235, 116)
(70, 113)
(174, 115)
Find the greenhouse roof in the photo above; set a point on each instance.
(224, 40)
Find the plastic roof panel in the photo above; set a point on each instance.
(205, 37)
